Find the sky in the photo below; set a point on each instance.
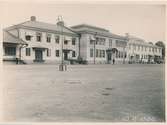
(141, 20)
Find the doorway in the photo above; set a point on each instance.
(38, 56)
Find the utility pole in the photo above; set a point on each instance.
(62, 67)
(94, 48)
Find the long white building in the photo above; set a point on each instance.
(140, 51)
(38, 42)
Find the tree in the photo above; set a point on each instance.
(161, 44)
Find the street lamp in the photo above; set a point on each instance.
(62, 67)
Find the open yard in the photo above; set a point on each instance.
(84, 93)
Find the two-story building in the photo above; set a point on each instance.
(139, 51)
(34, 41)
(98, 45)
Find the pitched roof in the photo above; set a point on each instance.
(10, 38)
(43, 26)
(95, 30)
(89, 26)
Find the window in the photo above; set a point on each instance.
(142, 48)
(116, 54)
(10, 51)
(134, 47)
(110, 42)
(138, 48)
(97, 51)
(57, 53)
(38, 37)
(91, 52)
(73, 54)
(100, 41)
(48, 53)
(103, 53)
(73, 41)
(28, 37)
(28, 51)
(119, 54)
(48, 38)
(125, 55)
(91, 42)
(65, 41)
(57, 38)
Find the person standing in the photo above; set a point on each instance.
(113, 61)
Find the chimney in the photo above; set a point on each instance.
(127, 35)
(33, 18)
(60, 23)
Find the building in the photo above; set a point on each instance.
(38, 42)
(99, 46)
(140, 51)
(33, 41)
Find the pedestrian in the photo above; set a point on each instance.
(17, 60)
(113, 61)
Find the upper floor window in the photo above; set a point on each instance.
(91, 52)
(110, 42)
(28, 51)
(28, 37)
(57, 53)
(48, 38)
(38, 36)
(73, 41)
(138, 48)
(57, 39)
(65, 41)
(100, 41)
(91, 42)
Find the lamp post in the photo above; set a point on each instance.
(62, 67)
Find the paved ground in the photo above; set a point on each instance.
(87, 93)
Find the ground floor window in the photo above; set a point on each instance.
(73, 54)
(10, 51)
(48, 53)
(100, 53)
(91, 52)
(57, 53)
(28, 52)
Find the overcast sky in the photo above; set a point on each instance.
(144, 21)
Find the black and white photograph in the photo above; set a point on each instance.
(83, 62)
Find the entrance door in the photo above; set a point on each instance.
(38, 56)
(108, 57)
(65, 55)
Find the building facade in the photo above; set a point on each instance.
(99, 46)
(139, 51)
(38, 42)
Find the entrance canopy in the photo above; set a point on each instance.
(39, 48)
